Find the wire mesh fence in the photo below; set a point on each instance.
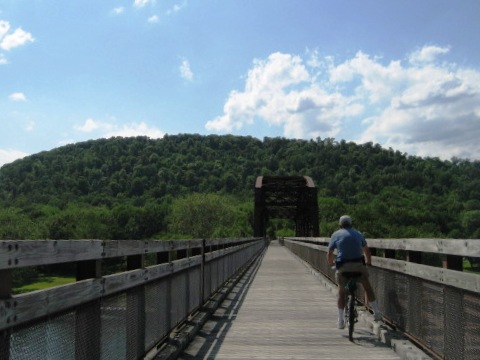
(442, 319)
(131, 321)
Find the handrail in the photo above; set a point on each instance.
(454, 278)
(23, 253)
(459, 247)
(201, 260)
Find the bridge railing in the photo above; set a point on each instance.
(437, 306)
(116, 316)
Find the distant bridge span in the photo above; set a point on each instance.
(286, 197)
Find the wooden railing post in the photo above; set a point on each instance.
(135, 313)
(5, 294)
(453, 262)
(88, 317)
(202, 273)
(414, 257)
(389, 253)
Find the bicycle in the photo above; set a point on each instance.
(351, 314)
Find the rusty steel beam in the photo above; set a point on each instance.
(286, 197)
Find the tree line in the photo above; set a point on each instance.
(194, 186)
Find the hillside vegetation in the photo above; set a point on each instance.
(188, 186)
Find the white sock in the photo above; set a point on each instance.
(341, 313)
(374, 306)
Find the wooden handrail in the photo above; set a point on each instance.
(459, 247)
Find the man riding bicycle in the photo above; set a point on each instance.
(353, 255)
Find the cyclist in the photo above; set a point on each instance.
(353, 255)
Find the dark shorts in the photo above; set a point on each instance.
(350, 267)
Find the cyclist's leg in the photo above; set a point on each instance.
(371, 297)
(368, 288)
(341, 289)
(340, 299)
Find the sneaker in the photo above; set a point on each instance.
(377, 316)
(341, 324)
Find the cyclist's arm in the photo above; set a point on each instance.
(330, 258)
(368, 255)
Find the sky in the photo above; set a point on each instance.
(404, 74)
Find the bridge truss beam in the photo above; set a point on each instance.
(286, 197)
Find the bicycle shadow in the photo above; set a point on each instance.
(365, 338)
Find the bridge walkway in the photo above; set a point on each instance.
(280, 310)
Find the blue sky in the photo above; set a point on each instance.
(402, 73)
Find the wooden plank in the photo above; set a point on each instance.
(21, 253)
(466, 281)
(30, 306)
(182, 264)
(443, 276)
(155, 272)
(279, 310)
(123, 281)
(389, 264)
(460, 247)
(26, 253)
(26, 307)
(424, 272)
(115, 248)
(155, 246)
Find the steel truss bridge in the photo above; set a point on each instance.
(286, 197)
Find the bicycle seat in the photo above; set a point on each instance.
(351, 274)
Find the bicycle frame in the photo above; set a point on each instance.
(351, 315)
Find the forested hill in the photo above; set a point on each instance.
(388, 193)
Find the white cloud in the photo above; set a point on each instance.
(436, 114)
(18, 96)
(30, 125)
(142, 3)
(185, 71)
(422, 106)
(10, 40)
(118, 10)
(427, 54)
(91, 125)
(4, 28)
(9, 155)
(136, 129)
(280, 91)
(18, 38)
(109, 129)
(176, 8)
(153, 19)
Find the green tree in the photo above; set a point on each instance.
(202, 215)
(471, 223)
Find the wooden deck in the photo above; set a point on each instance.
(280, 310)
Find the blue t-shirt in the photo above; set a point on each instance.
(349, 244)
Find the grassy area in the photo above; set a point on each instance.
(471, 267)
(44, 282)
